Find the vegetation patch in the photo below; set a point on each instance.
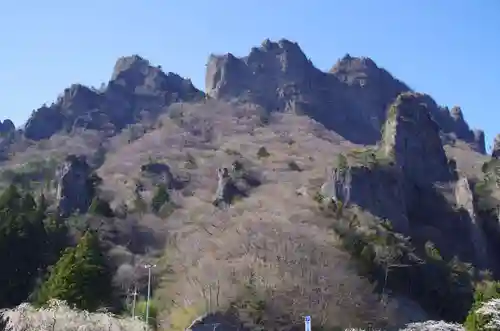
(263, 153)
(485, 200)
(33, 174)
(390, 260)
(292, 165)
(368, 157)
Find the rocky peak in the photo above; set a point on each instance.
(43, 123)
(127, 64)
(348, 62)
(285, 56)
(411, 138)
(134, 71)
(138, 75)
(496, 147)
(7, 126)
(363, 72)
(77, 98)
(456, 113)
(458, 117)
(452, 122)
(262, 72)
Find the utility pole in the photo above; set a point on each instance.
(148, 266)
(133, 301)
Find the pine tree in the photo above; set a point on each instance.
(80, 277)
(10, 198)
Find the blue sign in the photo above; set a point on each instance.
(308, 323)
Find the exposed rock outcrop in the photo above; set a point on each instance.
(411, 138)
(233, 183)
(465, 199)
(163, 173)
(368, 85)
(135, 86)
(350, 99)
(76, 185)
(496, 147)
(380, 191)
(338, 188)
(226, 189)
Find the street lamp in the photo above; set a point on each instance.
(148, 266)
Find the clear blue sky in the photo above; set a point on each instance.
(447, 48)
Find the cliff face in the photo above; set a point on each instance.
(407, 178)
(352, 96)
(411, 137)
(496, 147)
(75, 189)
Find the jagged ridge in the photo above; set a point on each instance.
(352, 96)
(350, 99)
(135, 86)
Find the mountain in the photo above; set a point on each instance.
(279, 190)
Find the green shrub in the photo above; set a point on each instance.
(190, 162)
(484, 291)
(292, 165)
(262, 153)
(160, 197)
(442, 288)
(342, 164)
(153, 312)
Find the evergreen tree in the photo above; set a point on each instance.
(57, 238)
(10, 198)
(101, 207)
(22, 244)
(160, 198)
(80, 277)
